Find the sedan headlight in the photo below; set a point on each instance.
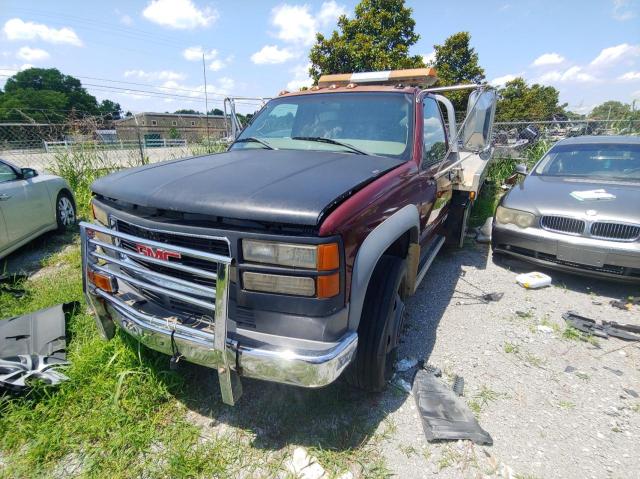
(322, 257)
(523, 219)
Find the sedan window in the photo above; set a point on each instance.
(618, 162)
(7, 173)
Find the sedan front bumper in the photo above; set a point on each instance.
(586, 256)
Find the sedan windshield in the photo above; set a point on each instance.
(355, 123)
(618, 162)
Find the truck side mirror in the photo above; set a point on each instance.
(521, 169)
(478, 126)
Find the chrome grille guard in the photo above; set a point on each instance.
(101, 253)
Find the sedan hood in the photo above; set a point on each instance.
(283, 186)
(544, 195)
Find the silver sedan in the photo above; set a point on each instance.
(578, 209)
(30, 205)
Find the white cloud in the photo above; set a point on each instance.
(194, 54)
(612, 55)
(296, 23)
(222, 86)
(301, 77)
(159, 75)
(429, 57)
(126, 20)
(501, 81)
(271, 54)
(330, 12)
(32, 54)
(179, 14)
(630, 76)
(622, 10)
(17, 29)
(548, 59)
(574, 74)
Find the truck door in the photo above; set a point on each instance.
(433, 209)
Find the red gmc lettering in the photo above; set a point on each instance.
(158, 253)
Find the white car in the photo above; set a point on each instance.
(30, 205)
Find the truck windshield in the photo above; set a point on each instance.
(619, 162)
(354, 122)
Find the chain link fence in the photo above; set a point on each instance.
(147, 137)
(134, 140)
(515, 139)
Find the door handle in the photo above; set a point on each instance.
(4, 197)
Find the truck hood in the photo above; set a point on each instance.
(544, 195)
(282, 186)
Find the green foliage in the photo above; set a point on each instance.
(519, 101)
(110, 110)
(174, 133)
(614, 110)
(30, 92)
(186, 111)
(456, 63)
(377, 38)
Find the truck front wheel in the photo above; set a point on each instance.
(380, 326)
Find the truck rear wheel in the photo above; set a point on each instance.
(380, 326)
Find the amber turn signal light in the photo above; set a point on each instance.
(328, 257)
(328, 286)
(103, 281)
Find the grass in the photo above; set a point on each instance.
(482, 399)
(572, 334)
(123, 413)
(499, 170)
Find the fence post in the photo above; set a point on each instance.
(142, 159)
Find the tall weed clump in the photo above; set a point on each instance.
(81, 167)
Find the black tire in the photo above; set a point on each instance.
(65, 211)
(380, 326)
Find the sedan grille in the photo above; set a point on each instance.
(615, 231)
(562, 224)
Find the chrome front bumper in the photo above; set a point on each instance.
(218, 344)
(576, 254)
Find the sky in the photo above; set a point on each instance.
(147, 54)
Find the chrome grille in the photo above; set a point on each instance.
(562, 224)
(201, 243)
(190, 287)
(615, 231)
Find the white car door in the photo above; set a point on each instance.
(24, 204)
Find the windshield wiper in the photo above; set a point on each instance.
(253, 139)
(331, 141)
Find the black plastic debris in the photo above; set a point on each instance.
(625, 304)
(18, 373)
(445, 416)
(627, 332)
(458, 385)
(11, 284)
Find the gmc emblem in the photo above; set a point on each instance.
(157, 253)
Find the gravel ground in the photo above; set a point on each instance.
(555, 406)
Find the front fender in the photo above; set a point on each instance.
(372, 248)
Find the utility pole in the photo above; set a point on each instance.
(206, 100)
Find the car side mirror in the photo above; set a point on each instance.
(28, 173)
(521, 169)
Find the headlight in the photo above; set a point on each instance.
(276, 283)
(322, 257)
(99, 214)
(523, 219)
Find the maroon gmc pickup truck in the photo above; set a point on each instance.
(288, 258)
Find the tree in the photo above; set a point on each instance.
(216, 111)
(187, 112)
(611, 110)
(457, 63)
(519, 101)
(46, 94)
(110, 110)
(377, 38)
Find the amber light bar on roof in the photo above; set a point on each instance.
(423, 77)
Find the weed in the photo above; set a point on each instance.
(566, 405)
(636, 407)
(511, 348)
(448, 458)
(533, 360)
(408, 450)
(572, 334)
(583, 376)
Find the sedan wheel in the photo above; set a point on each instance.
(66, 212)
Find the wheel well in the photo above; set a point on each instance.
(69, 194)
(400, 247)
